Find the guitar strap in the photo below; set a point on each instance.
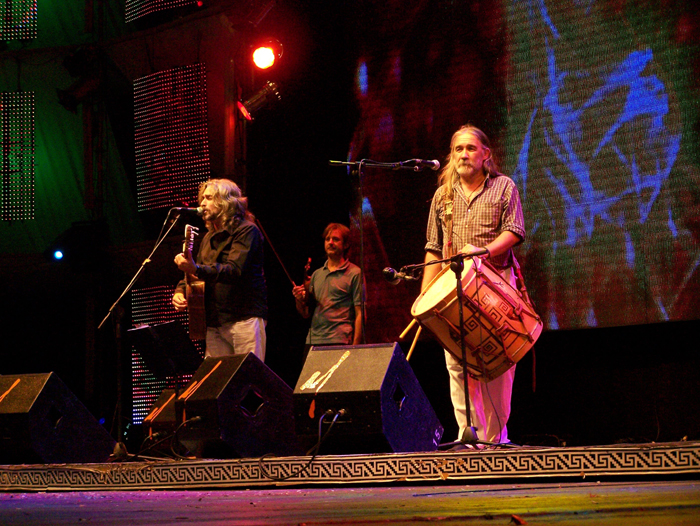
(448, 204)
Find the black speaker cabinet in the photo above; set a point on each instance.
(385, 408)
(236, 406)
(42, 422)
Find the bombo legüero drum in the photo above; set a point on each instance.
(499, 326)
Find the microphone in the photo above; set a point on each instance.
(423, 164)
(183, 210)
(478, 252)
(393, 276)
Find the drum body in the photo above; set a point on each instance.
(499, 326)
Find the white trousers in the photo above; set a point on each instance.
(489, 403)
(237, 338)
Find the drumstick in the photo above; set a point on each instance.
(413, 345)
(405, 331)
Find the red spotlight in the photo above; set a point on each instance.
(265, 54)
(263, 57)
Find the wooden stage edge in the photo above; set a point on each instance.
(533, 464)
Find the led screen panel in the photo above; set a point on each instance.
(171, 136)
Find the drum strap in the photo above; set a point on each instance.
(521, 282)
(526, 297)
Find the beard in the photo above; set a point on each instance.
(464, 169)
(468, 168)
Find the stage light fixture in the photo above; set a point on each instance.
(83, 246)
(265, 54)
(266, 96)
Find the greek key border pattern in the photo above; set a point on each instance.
(379, 468)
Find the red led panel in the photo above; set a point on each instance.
(17, 143)
(18, 20)
(135, 9)
(171, 136)
(149, 306)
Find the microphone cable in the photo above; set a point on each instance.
(313, 451)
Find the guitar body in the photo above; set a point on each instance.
(194, 292)
(196, 315)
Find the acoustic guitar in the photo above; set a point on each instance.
(194, 292)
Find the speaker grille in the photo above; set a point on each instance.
(381, 405)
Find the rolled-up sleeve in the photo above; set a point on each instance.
(434, 231)
(512, 218)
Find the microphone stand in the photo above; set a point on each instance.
(120, 451)
(469, 436)
(412, 164)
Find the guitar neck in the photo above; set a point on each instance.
(190, 233)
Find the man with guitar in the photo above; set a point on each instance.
(333, 293)
(230, 264)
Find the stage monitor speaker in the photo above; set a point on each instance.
(384, 408)
(236, 406)
(42, 422)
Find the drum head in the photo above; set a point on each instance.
(442, 285)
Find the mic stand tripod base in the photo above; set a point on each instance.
(119, 453)
(469, 436)
(470, 440)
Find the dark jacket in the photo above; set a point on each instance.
(230, 262)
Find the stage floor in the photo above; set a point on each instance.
(668, 503)
(643, 484)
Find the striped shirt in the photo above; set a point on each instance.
(496, 208)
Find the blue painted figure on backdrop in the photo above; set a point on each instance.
(594, 159)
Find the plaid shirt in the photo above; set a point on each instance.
(495, 209)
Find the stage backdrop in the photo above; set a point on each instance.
(591, 108)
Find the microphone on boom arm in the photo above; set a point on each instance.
(394, 276)
(421, 164)
(178, 210)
